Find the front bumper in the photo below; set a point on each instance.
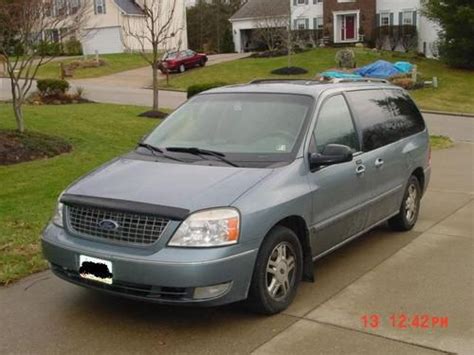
(155, 277)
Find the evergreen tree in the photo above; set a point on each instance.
(456, 19)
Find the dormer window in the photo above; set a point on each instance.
(99, 7)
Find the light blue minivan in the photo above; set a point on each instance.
(240, 190)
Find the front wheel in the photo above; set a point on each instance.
(406, 218)
(277, 272)
(182, 68)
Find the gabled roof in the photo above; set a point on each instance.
(262, 8)
(129, 7)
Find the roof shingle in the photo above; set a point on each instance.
(129, 7)
(262, 8)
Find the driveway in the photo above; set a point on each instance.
(427, 271)
(142, 77)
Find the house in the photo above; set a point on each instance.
(347, 21)
(104, 31)
(247, 20)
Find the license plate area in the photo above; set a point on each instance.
(95, 269)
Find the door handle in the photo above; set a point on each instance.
(379, 162)
(360, 169)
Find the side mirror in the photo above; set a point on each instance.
(332, 154)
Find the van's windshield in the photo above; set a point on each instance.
(245, 127)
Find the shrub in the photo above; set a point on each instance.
(196, 89)
(49, 48)
(289, 71)
(345, 58)
(52, 87)
(72, 47)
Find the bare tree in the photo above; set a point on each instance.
(26, 36)
(158, 35)
(272, 31)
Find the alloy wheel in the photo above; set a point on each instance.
(280, 272)
(411, 203)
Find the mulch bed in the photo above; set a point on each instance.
(16, 147)
(289, 71)
(154, 114)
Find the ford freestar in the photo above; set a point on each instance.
(238, 191)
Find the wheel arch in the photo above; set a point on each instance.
(420, 175)
(298, 225)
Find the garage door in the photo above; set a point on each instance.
(103, 40)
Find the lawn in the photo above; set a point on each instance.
(29, 190)
(115, 63)
(454, 93)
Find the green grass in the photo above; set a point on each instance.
(115, 63)
(29, 190)
(440, 142)
(454, 93)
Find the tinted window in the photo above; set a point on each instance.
(385, 117)
(334, 125)
(374, 117)
(406, 118)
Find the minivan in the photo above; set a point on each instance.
(238, 192)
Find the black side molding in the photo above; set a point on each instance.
(126, 206)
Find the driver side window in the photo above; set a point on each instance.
(334, 126)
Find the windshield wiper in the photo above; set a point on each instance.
(200, 152)
(155, 150)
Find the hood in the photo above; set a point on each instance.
(191, 187)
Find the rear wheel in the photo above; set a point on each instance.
(406, 219)
(202, 63)
(277, 272)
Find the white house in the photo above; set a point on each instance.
(342, 21)
(246, 20)
(104, 28)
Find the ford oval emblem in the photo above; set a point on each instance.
(108, 225)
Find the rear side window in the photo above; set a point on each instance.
(334, 125)
(384, 116)
(407, 119)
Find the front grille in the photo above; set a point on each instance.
(127, 227)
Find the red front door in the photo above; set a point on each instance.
(350, 27)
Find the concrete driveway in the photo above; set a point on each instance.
(142, 77)
(428, 271)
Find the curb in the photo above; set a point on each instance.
(444, 113)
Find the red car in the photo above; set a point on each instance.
(182, 60)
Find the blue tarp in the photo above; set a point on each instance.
(339, 75)
(404, 67)
(379, 69)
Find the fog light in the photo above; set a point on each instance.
(211, 291)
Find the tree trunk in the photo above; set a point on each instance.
(17, 105)
(18, 111)
(155, 88)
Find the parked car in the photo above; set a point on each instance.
(181, 61)
(237, 193)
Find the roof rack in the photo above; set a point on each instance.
(261, 81)
(315, 81)
(355, 80)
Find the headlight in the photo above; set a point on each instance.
(211, 228)
(58, 215)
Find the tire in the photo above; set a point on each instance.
(280, 246)
(406, 219)
(182, 68)
(202, 63)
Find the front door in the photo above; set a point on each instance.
(339, 192)
(349, 27)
